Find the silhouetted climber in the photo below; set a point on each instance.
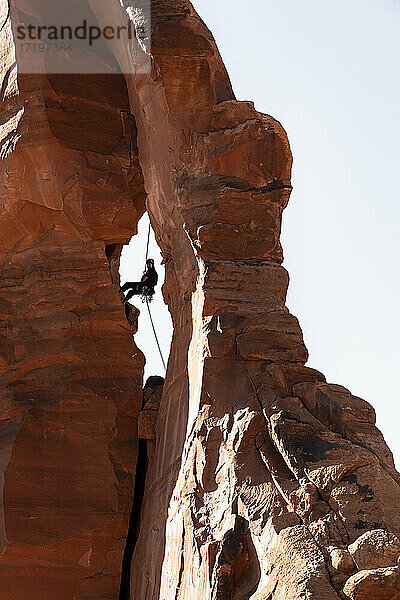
(145, 286)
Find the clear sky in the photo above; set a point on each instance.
(329, 71)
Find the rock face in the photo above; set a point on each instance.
(70, 377)
(263, 480)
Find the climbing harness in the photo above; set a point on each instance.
(146, 297)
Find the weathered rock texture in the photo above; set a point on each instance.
(264, 481)
(70, 376)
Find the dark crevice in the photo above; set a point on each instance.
(152, 393)
(134, 522)
(113, 254)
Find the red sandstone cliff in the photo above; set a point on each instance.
(262, 480)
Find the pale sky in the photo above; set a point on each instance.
(133, 261)
(329, 71)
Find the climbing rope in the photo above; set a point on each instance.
(155, 335)
(148, 241)
(148, 306)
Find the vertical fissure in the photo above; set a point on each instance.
(150, 401)
(134, 521)
(113, 254)
(146, 424)
(152, 393)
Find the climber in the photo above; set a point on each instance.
(145, 286)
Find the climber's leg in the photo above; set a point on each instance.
(126, 286)
(136, 289)
(128, 296)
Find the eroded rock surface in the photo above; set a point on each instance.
(264, 481)
(70, 377)
(263, 474)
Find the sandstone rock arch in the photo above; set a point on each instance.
(264, 482)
